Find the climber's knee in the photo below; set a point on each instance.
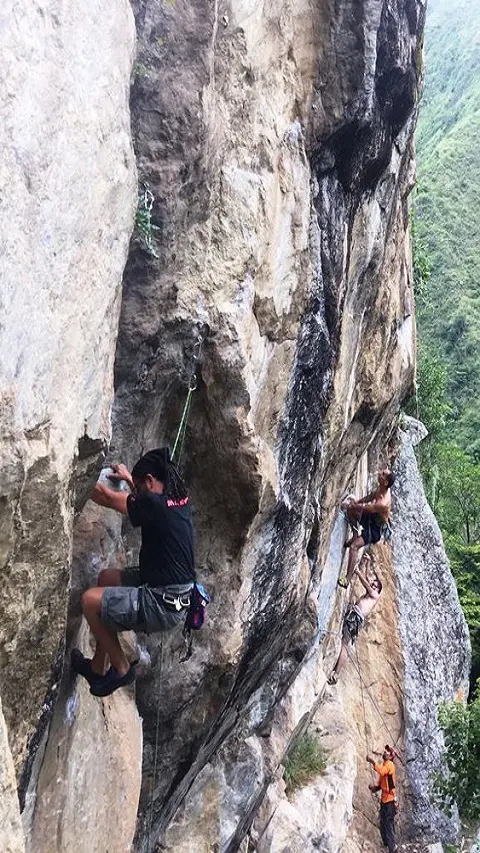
(357, 543)
(92, 600)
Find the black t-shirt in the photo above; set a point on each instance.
(166, 555)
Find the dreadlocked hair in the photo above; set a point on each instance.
(159, 464)
(175, 487)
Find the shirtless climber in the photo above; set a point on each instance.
(372, 513)
(356, 614)
(156, 595)
(386, 784)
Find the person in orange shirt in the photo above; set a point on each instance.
(386, 784)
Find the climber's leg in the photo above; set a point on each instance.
(339, 664)
(387, 825)
(107, 577)
(107, 640)
(382, 825)
(354, 556)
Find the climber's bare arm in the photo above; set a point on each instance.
(103, 496)
(373, 593)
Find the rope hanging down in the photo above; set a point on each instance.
(192, 386)
(157, 728)
(372, 700)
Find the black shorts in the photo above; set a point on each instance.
(371, 528)
(134, 607)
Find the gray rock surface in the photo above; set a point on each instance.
(67, 200)
(315, 817)
(434, 635)
(11, 833)
(280, 161)
(276, 142)
(83, 795)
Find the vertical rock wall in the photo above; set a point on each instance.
(389, 690)
(67, 198)
(277, 145)
(11, 834)
(435, 642)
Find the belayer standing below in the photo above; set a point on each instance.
(386, 784)
(357, 613)
(372, 513)
(156, 595)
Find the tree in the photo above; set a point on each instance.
(465, 565)
(458, 502)
(458, 783)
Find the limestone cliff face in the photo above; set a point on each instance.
(11, 835)
(68, 193)
(281, 171)
(434, 636)
(277, 143)
(413, 653)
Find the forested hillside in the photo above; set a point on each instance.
(446, 231)
(448, 204)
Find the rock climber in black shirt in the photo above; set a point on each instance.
(155, 596)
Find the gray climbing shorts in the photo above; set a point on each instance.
(137, 607)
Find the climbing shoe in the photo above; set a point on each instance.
(342, 582)
(82, 666)
(333, 678)
(112, 681)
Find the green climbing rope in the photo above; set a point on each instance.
(192, 386)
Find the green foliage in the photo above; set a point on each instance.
(465, 565)
(431, 396)
(446, 260)
(421, 265)
(143, 220)
(457, 504)
(305, 761)
(140, 70)
(458, 783)
(452, 482)
(430, 405)
(447, 220)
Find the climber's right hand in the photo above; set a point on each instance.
(120, 472)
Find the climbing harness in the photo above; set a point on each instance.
(192, 386)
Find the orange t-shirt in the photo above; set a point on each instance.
(386, 772)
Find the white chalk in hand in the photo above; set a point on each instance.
(117, 485)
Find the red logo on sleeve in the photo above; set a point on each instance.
(181, 502)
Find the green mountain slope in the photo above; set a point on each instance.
(448, 205)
